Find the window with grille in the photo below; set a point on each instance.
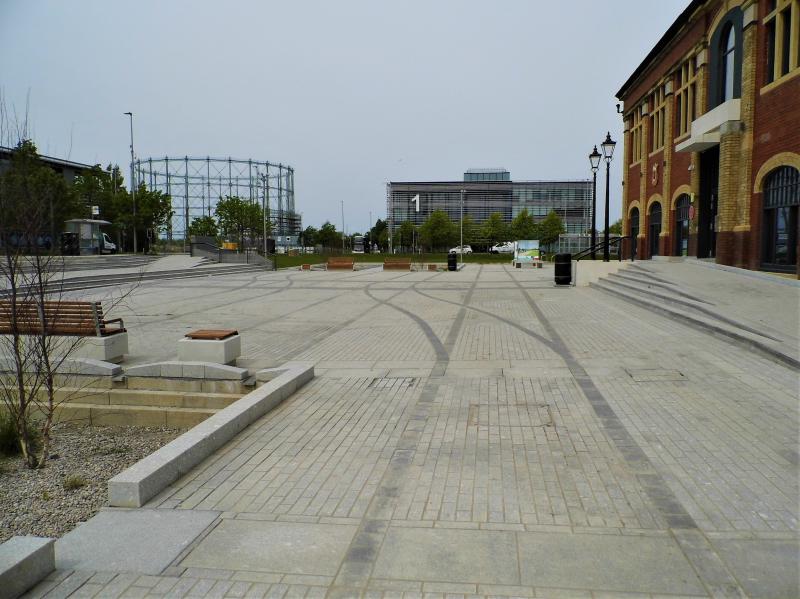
(637, 137)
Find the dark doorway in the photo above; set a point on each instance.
(709, 198)
(654, 228)
(682, 226)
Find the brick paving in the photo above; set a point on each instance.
(478, 433)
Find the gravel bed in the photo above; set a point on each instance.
(36, 502)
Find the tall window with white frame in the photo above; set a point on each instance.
(727, 64)
(782, 38)
(685, 86)
(657, 118)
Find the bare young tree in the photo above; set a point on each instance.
(32, 308)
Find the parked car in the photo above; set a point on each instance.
(505, 247)
(459, 248)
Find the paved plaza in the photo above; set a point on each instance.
(472, 433)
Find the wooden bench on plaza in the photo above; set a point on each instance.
(396, 264)
(69, 319)
(340, 263)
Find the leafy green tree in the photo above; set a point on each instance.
(240, 218)
(438, 231)
(472, 232)
(550, 228)
(55, 199)
(153, 214)
(523, 226)
(380, 234)
(310, 236)
(405, 235)
(328, 236)
(494, 229)
(616, 228)
(105, 188)
(204, 226)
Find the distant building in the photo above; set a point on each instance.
(68, 169)
(712, 137)
(487, 191)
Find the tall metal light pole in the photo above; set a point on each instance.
(343, 226)
(133, 186)
(461, 227)
(608, 153)
(594, 160)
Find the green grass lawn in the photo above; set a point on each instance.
(284, 261)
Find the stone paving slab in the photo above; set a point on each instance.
(144, 541)
(642, 564)
(284, 547)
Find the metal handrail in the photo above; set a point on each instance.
(601, 244)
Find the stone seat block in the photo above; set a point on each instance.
(223, 351)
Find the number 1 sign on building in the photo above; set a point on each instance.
(415, 199)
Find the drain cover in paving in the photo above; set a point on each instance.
(654, 375)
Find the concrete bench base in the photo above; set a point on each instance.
(24, 561)
(224, 351)
(106, 349)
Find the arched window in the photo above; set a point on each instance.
(682, 226)
(634, 220)
(654, 228)
(781, 201)
(727, 63)
(725, 49)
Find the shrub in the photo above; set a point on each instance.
(9, 439)
(74, 481)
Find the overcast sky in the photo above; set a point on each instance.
(352, 94)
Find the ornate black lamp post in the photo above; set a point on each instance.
(594, 160)
(608, 152)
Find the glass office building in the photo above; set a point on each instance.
(487, 191)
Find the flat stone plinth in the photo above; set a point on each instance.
(24, 561)
(220, 351)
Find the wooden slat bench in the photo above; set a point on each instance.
(212, 334)
(340, 263)
(396, 264)
(73, 318)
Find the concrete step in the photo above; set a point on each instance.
(156, 399)
(127, 415)
(715, 325)
(642, 279)
(155, 383)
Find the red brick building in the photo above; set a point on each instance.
(712, 137)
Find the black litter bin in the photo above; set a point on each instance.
(563, 269)
(69, 244)
(452, 261)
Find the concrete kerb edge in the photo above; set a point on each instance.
(24, 561)
(148, 477)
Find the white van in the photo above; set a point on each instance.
(107, 246)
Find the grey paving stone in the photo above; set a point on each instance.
(605, 562)
(143, 541)
(768, 569)
(460, 556)
(293, 548)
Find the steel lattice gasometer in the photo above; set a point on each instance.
(196, 184)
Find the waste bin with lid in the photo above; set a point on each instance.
(563, 269)
(452, 261)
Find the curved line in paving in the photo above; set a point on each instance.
(509, 322)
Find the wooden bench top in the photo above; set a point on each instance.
(212, 334)
(79, 318)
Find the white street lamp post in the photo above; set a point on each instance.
(133, 186)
